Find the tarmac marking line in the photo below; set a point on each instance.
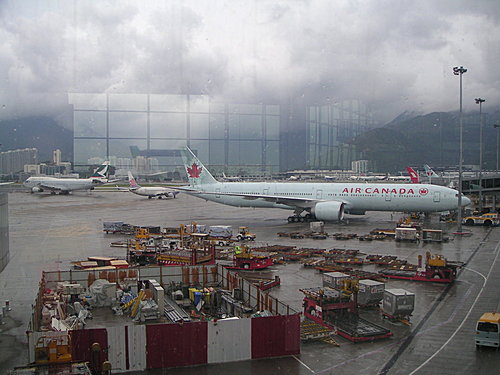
(303, 364)
(416, 331)
(466, 316)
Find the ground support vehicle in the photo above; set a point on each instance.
(117, 227)
(488, 330)
(437, 269)
(487, 220)
(337, 310)
(244, 259)
(245, 235)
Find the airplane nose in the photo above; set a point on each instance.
(465, 201)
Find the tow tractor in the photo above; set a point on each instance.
(244, 259)
(437, 269)
(244, 234)
(488, 220)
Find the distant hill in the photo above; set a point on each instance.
(44, 133)
(429, 139)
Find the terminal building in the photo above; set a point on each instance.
(243, 139)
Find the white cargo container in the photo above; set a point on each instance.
(220, 231)
(398, 303)
(317, 226)
(334, 279)
(406, 234)
(370, 292)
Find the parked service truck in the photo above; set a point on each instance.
(488, 330)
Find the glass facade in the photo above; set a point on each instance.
(234, 138)
(329, 128)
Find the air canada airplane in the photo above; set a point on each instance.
(65, 185)
(319, 201)
(149, 191)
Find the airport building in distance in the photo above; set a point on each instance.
(243, 139)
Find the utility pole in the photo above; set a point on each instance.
(480, 102)
(459, 72)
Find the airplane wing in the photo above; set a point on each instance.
(52, 187)
(287, 201)
(6, 183)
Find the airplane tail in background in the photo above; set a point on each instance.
(413, 175)
(102, 171)
(197, 173)
(133, 183)
(429, 172)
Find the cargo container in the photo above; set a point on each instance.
(220, 231)
(370, 292)
(317, 226)
(407, 234)
(398, 303)
(334, 279)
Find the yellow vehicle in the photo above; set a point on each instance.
(245, 234)
(488, 330)
(487, 220)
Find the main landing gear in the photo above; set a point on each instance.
(300, 219)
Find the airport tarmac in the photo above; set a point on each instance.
(48, 232)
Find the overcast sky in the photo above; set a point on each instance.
(395, 55)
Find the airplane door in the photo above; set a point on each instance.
(265, 191)
(319, 194)
(388, 197)
(437, 196)
(217, 191)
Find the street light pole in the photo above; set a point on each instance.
(480, 102)
(460, 71)
(497, 126)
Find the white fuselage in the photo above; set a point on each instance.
(358, 197)
(62, 184)
(152, 191)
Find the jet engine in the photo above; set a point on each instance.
(329, 211)
(36, 189)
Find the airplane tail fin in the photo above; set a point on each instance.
(197, 173)
(132, 182)
(429, 172)
(102, 171)
(413, 175)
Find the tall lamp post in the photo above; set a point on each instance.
(497, 126)
(459, 72)
(480, 102)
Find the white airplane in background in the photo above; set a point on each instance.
(319, 201)
(230, 178)
(65, 185)
(149, 191)
(430, 173)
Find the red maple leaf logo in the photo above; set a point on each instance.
(194, 171)
(423, 191)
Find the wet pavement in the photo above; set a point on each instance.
(48, 232)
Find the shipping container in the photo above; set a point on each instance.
(334, 279)
(370, 292)
(398, 302)
(220, 231)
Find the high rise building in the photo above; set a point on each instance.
(56, 157)
(13, 161)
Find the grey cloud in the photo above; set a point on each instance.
(395, 55)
